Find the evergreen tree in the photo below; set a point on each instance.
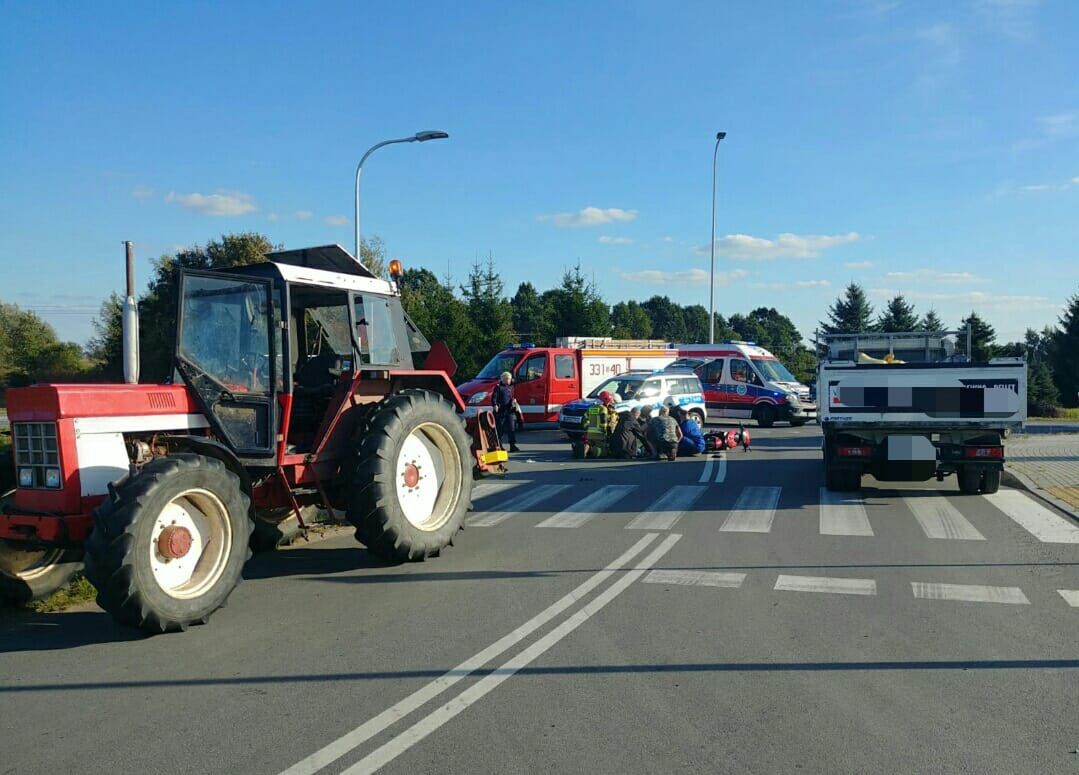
(668, 322)
(898, 315)
(491, 314)
(441, 316)
(931, 322)
(531, 318)
(630, 321)
(982, 338)
(373, 256)
(1043, 398)
(576, 308)
(1064, 354)
(850, 314)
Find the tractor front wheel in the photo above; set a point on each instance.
(169, 545)
(411, 480)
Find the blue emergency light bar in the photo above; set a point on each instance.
(521, 346)
(739, 341)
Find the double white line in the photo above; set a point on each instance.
(439, 716)
(721, 469)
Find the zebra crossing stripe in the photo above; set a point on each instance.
(753, 512)
(939, 518)
(1045, 525)
(522, 502)
(1071, 596)
(706, 474)
(969, 593)
(589, 506)
(667, 509)
(487, 489)
(843, 515)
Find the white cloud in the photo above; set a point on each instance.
(1061, 124)
(143, 192)
(935, 277)
(813, 284)
(607, 240)
(273, 217)
(1075, 180)
(859, 265)
(1039, 187)
(336, 220)
(589, 216)
(976, 299)
(694, 276)
(671, 239)
(303, 215)
(223, 203)
(743, 247)
(1013, 18)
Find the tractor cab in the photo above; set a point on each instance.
(266, 346)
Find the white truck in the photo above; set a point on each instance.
(907, 407)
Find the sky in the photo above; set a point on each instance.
(918, 147)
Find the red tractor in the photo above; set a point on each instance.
(294, 386)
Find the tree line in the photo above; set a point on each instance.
(476, 317)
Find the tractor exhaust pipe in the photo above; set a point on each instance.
(130, 321)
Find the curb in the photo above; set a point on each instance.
(1023, 482)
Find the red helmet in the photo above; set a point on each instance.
(606, 398)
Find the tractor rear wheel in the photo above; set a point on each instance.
(27, 573)
(411, 480)
(169, 546)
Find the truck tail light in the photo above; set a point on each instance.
(992, 452)
(854, 451)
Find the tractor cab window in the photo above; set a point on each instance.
(375, 331)
(225, 333)
(321, 336)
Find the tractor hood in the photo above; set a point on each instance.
(41, 403)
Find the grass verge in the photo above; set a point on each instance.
(78, 590)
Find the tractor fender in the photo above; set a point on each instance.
(435, 381)
(206, 447)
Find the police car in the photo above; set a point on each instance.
(640, 389)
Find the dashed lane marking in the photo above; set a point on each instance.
(667, 509)
(832, 585)
(589, 506)
(969, 593)
(520, 503)
(696, 578)
(753, 512)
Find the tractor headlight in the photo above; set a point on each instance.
(26, 477)
(52, 477)
(478, 398)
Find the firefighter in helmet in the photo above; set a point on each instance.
(599, 422)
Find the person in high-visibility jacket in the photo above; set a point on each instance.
(598, 423)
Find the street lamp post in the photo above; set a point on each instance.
(420, 137)
(712, 279)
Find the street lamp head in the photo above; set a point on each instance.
(429, 134)
(720, 136)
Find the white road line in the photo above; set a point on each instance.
(667, 509)
(487, 489)
(695, 578)
(358, 736)
(1071, 596)
(939, 518)
(425, 726)
(970, 593)
(706, 474)
(843, 514)
(522, 502)
(753, 512)
(833, 585)
(589, 506)
(1043, 524)
(721, 470)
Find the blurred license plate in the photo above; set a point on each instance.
(572, 420)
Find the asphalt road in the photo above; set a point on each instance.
(602, 617)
